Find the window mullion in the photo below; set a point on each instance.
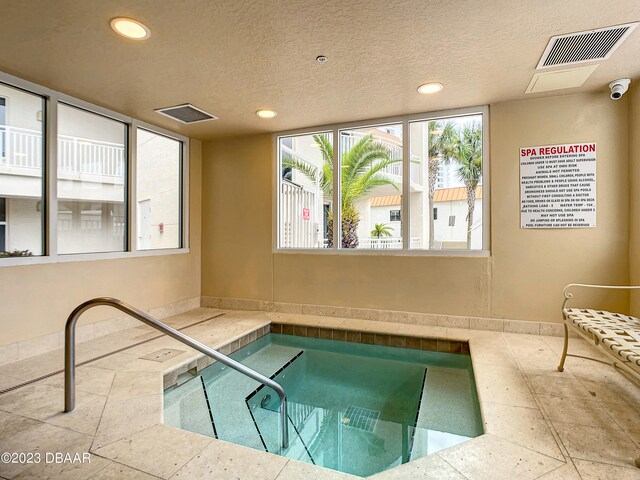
(132, 214)
(406, 186)
(337, 210)
(185, 189)
(51, 178)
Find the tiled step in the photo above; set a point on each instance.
(227, 393)
(444, 408)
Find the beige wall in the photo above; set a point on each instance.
(634, 167)
(36, 299)
(236, 203)
(523, 278)
(532, 266)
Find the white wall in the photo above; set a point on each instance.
(458, 233)
(382, 215)
(158, 183)
(24, 225)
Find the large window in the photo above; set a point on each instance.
(449, 155)
(424, 196)
(371, 167)
(305, 179)
(21, 173)
(92, 167)
(85, 201)
(158, 181)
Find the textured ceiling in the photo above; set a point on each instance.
(234, 57)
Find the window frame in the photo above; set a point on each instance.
(50, 179)
(5, 222)
(184, 201)
(405, 120)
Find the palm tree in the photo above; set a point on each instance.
(381, 230)
(361, 172)
(468, 155)
(441, 139)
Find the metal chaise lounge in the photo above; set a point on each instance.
(614, 334)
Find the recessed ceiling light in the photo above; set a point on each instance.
(266, 113)
(130, 28)
(432, 87)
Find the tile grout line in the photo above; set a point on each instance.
(454, 468)
(103, 410)
(282, 469)
(188, 461)
(605, 409)
(547, 419)
(100, 357)
(119, 463)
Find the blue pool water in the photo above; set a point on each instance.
(356, 408)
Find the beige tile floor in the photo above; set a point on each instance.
(539, 423)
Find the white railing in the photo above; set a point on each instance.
(298, 217)
(22, 148)
(386, 243)
(347, 142)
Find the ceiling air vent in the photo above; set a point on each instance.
(581, 47)
(186, 113)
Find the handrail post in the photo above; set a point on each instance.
(284, 422)
(70, 356)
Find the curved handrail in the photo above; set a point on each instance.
(70, 354)
(568, 295)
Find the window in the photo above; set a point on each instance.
(305, 186)
(371, 190)
(391, 195)
(86, 203)
(453, 148)
(21, 173)
(159, 191)
(92, 165)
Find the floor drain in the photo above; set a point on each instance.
(162, 355)
(360, 418)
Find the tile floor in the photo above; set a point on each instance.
(539, 423)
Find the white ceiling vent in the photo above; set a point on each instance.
(559, 79)
(581, 47)
(186, 113)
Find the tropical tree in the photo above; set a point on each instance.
(441, 138)
(381, 230)
(361, 172)
(468, 156)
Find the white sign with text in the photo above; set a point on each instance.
(558, 186)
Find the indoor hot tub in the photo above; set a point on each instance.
(353, 407)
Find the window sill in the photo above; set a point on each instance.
(382, 252)
(88, 257)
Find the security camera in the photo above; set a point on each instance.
(619, 87)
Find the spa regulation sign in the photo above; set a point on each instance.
(558, 186)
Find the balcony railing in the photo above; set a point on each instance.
(22, 148)
(387, 243)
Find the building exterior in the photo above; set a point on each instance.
(305, 206)
(91, 181)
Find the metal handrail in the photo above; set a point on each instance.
(70, 355)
